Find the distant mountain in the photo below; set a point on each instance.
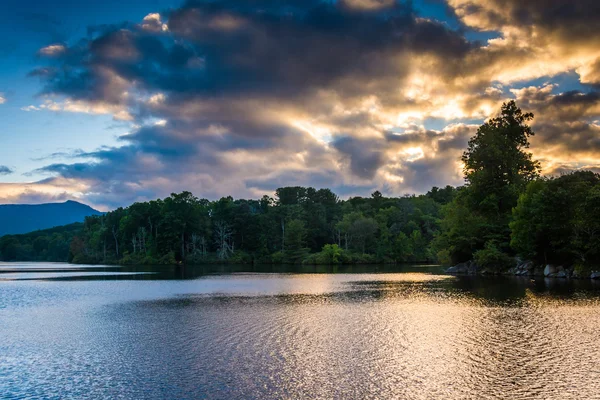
(23, 218)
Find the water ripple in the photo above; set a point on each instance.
(397, 336)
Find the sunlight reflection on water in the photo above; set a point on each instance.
(408, 335)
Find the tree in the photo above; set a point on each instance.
(183, 228)
(363, 230)
(182, 217)
(295, 239)
(497, 168)
(557, 220)
(223, 239)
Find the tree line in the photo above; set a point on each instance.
(298, 224)
(43, 245)
(505, 209)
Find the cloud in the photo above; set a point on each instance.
(152, 22)
(53, 50)
(2, 98)
(4, 170)
(236, 97)
(30, 108)
(539, 37)
(567, 126)
(78, 106)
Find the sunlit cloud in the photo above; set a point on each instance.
(53, 50)
(153, 22)
(76, 106)
(223, 98)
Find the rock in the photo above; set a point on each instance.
(550, 270)
(466, 268)
(595, 275)
(561, 274)
(518, 260)
(522, 269)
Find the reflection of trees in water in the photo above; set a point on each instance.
(516, 289)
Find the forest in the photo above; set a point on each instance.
(505, 209)
(298, 225)
(43, 245)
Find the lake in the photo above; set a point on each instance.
(269, 332)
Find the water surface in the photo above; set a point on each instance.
(293, 332)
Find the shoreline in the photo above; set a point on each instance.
(525, 269)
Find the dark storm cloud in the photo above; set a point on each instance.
(456, 138)
(323, 179)
(255, 49)
(559, 170)
(573, 19)
(364, 155)
(567, 106)
(412, 137)
(564, 121)
(421, 175)
(570, 138)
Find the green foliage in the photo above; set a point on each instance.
(492, 258)
(580, 269)
(167, 259)
(496, 165)
(287, 229)
(331, 254)
(295, 240)
(44, 245)
(497, 169)
(557, 221)
(444, 257)
(442, 196)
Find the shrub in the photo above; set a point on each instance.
(330, 254)
(492, 258)
(582, 270)
(443, 257)
(240, 257)
(167, 259)
(277, 258)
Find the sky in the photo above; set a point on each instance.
(112, 102)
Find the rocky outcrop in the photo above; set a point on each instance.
(525, 268)
(553, 271)
(550, 270)
(466, 268)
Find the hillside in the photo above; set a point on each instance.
(42, 245)
(23, 218)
